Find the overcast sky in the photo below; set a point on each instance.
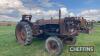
(11, 10)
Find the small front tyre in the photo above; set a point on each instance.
(54, 45)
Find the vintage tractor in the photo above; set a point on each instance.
(55, 31)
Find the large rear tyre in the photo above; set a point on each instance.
(54, 46)
(23, 33)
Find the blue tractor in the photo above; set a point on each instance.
(54, 31)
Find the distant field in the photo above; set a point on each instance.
(7, 23)
(9, 46)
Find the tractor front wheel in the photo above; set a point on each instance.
(54, 45)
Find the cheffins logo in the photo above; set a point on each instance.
(81, 48)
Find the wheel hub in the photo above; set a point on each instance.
(53, 45)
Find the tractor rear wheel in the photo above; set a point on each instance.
(23, 33)
(54, 45)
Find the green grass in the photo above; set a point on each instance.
(9, 46)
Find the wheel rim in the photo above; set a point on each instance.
(20, 35)
(53, 46)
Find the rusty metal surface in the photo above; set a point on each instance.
(49, 21)
(63, 29)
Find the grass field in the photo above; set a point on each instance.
(9, 46)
